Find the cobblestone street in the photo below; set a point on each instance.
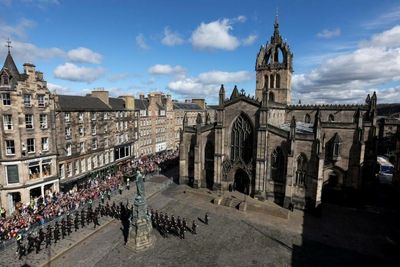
(234, 238)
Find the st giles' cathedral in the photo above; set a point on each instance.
(268, 148)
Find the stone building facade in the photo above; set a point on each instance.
(265, 147)
(93, 132)
(27, 154)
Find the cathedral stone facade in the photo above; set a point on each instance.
(267, 148)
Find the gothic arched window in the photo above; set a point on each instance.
(301, 169)
(242, 139)
(307, 118)
(266, 81)
(277, 165)
(271, 96)
(278, 81)
(271, 81)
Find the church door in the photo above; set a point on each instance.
(242, 182)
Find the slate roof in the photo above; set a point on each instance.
(186, 106)
(11, 67)
(81, 103)
(141, 104)
(117, 103)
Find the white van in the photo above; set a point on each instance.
(385, 170)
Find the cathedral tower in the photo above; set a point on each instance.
(274, 69)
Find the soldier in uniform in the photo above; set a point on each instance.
(82, 218)
(184, 225)
(20, 246)
(182, 233)
(107, 209)
(41, 235)
(76, 222)
(89, 215)
(31, 242)
(37, 244)
(69, 224)
(56, 232)
(63, 228)
(95, 219)
(194, 226)
(178, 222)
(48, 236)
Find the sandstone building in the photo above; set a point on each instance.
(270, 149)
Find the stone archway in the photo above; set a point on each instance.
(242, 181)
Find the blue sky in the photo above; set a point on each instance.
(342, 49)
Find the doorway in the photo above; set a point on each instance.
(13, 199)
(242, 182)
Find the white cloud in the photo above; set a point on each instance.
(141, 42)
(219, 77)
(206, 84)
(240, 18)
(389, 38)
(171, 38)
(58, 89)
(348, 77)
(215, 35)
(84, 55)
(165, 69)
(249, 40)
(328, 34)
(72, 72)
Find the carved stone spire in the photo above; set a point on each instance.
(235, 93)
(221, 95)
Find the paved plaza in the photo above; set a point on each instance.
(341, 237)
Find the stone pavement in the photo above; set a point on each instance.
(341, 237)
(10, 258)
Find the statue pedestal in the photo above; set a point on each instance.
(140, 237)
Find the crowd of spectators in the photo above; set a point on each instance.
(52, 205)
(55, 204)
(156, 162)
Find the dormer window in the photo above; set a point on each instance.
(331, 118)
(67, 117)
(5, 79)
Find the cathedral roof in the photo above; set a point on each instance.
(301, 127)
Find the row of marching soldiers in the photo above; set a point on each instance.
(169, 225)
(64, 228)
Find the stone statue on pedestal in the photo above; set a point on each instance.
(141, 237)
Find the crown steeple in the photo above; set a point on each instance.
(274, 68)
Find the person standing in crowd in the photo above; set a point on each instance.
(128, 187)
